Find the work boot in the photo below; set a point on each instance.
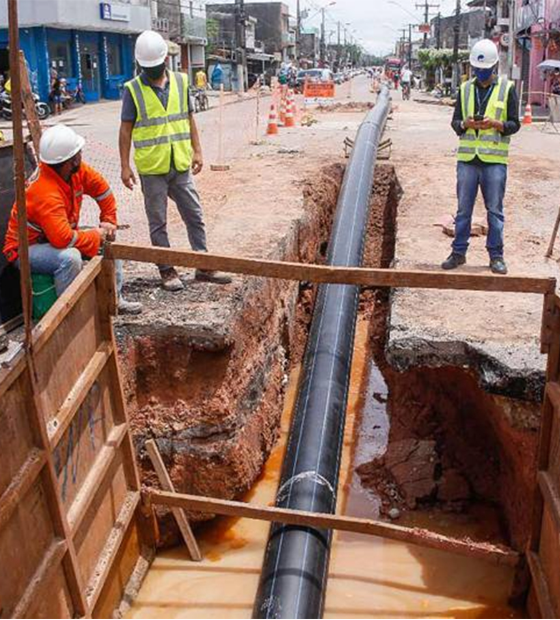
(129, 307)
(498, 266)
(216, 277)
(453, 261)
(170, 280)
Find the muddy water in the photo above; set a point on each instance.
(368, 577)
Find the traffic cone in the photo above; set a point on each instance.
(528, 118)
(282, 115)
(289, 120)
(272, 128)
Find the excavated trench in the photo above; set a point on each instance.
(428, 440)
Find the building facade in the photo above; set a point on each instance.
(537, 39)
(87, 42)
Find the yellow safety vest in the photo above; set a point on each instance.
(489, 145)
(160, 133)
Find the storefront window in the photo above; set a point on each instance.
(59, 58)
(114, 59)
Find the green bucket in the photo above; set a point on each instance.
(44, 294)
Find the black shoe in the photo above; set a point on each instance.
(498, 266)
(453, 261)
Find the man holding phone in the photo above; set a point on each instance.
(485, 118)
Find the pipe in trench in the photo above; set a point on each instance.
(295, 569)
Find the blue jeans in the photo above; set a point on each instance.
(62, 265)
(491, 178)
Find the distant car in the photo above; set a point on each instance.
(339, 78)
(313, 75)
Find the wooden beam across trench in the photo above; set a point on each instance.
(495, 554)
(358, 276)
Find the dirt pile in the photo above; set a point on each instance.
(350, 106)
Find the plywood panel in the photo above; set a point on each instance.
(15, 435)
(23, 543)
(554, 458)
(83, 440)
(118, 579)
(68, 352)
(53, 599)
(549, 553)
(100, 519)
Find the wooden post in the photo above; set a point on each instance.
(19, 171)
(33, 123)
(554, 235)
(178, 513)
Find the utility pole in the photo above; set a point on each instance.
(323, 37)
(402, 43)
(426, 6)
(438, 31)
(240, 45)
(298, 32)
(456, 39)
(338, 50)
(410, 46)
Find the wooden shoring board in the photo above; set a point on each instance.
(546, 502)
(358, 276)
(494, 554)
(33, 123)
(179, 514)
(112, 459)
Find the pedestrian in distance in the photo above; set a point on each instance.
(485, 118)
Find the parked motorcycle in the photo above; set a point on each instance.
(42, 109)
(70, 97)
(201, 101)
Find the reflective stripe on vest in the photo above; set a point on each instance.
(161, 135)
(489, 145)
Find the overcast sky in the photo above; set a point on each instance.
(376, 21)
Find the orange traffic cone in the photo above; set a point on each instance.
(272, 128)
(282, 114)
(528, 118)
(289, 120)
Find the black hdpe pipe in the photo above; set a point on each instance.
(294, 574)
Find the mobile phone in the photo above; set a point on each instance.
(479, 118)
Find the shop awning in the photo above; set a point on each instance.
(261, 57)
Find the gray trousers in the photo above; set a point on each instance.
(179, 186)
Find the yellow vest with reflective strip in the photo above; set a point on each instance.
(488, 144)
(160, 133)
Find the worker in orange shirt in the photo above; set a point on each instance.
(57, 246)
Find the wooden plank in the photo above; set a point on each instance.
(21, 483)
(547, 326)
(49, 323)
(60, 523)
(551, 496)
(98, 471)
(33, 123)
(540, 585)
(111, 549)
(75, 398)
(415, 536)
(64, 304)
(178, 513)
(51, 561)
(553, 392)
(335, 275)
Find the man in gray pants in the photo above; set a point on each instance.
(157, 116)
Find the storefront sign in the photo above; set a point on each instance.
(318, 93)
(424, 28)
(114, 12)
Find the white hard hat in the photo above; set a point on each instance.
(151, 49)
(59, 144)
(484, 54)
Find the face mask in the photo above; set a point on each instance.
(154, 73)
(483, 75)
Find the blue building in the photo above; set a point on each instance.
(84, 41)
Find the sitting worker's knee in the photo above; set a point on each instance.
(70, 265)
